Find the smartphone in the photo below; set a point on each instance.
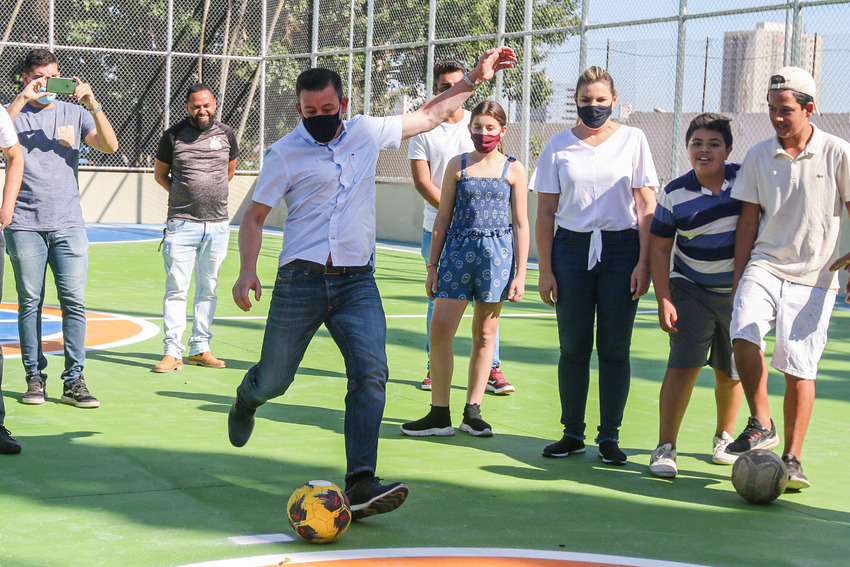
(61, 85)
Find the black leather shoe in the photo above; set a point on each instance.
(240, 424)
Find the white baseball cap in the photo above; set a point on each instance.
(794, 79)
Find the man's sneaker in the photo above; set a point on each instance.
(8, 446)
(719, 455)
(796, 479)
(426, 383)
(36, 391)
(610, 453)
(240, 423)
(368, 497)
(662, 463)
(472, 422)
(497, 383)
(565, 447)
(437, 422)
(754, 436)
(78, 395)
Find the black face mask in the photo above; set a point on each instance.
(594, 116)
(323, 127)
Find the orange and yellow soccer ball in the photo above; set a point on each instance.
(318, 511)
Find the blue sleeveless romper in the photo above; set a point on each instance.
(478, 258)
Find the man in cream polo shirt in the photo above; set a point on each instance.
(793, 187)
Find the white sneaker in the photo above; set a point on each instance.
(662, 463)
(719, 455)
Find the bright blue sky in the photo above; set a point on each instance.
(643, 58)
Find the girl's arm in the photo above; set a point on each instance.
(442, 223)
(522, 234)
(645, 208)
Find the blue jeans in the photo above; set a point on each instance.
(2, 266)
(426, 254)
(66, 252)
(603, 294)
(202, 245)
(350, 307)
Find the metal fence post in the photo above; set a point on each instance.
(350, 110)
(166, 116)
(264, 52)
(432, 34)
(500, 40)
(585, 18)
(526, 82)
(680, 85)
(314, 43)
(797, 37)
(51, 21)
(370, 29)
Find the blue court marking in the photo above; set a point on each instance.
(51, 325)
(115, 232)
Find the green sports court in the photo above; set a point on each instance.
(150, 480)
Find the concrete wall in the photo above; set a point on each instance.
(136, 198)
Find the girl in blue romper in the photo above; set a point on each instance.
(474, 250)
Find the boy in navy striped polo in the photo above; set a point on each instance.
(695, 221)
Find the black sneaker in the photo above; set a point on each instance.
(368, 497)
(796, 479)
(437, 422)
(564, 448)
(472, 422)
(240, 423)
(754, 436)
(78, 395)
(8, 446)
(36, 391)
(610, 453)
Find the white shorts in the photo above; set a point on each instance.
(800, 314)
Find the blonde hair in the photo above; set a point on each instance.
(595, 75)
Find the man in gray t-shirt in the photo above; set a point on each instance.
(195, 160)
(47, 226)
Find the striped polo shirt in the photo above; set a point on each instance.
(704, 227)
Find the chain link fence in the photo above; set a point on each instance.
(670, 60)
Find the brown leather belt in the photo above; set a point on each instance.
(329, 269)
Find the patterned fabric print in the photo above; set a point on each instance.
(478, 259)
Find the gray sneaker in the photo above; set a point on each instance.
(796, 479)
(76, 394)
(36, 391)
(662, 463)
(754, 436)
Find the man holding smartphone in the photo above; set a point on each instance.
(48, 227)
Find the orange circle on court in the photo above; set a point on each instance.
(103, 330)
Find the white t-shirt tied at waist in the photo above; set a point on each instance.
(595, 183)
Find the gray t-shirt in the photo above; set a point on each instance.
(50, 138)
(199, 160)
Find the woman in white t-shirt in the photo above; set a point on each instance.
(596, 182)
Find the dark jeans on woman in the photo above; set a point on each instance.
(602, 293)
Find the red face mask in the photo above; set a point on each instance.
(485, 143)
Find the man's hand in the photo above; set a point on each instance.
(33, 89)
(241, 290)
(5, 217)
(843, 263)
(84, 94)
(667, 316)
(548, 288)
(493, 60)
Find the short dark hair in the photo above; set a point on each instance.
(447, 66)
(198, 88)
(802, 98)
(318, 79)
(37, 58)
(714, 122)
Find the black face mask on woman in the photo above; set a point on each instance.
(594, 116)
(323, 127)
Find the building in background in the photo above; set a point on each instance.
(749, 58)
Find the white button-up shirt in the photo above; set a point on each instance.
(329, 190)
